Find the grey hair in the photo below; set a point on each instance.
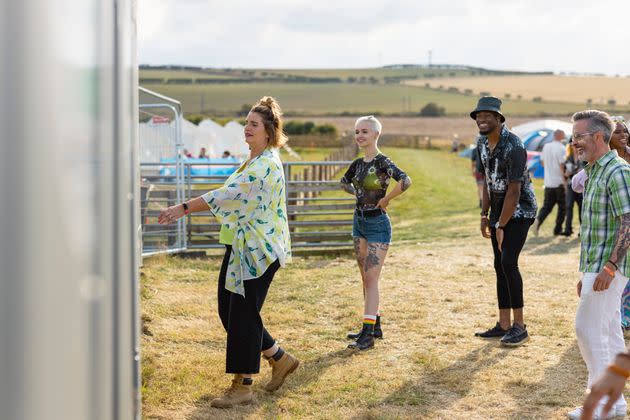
(598, 121)
(374, 122)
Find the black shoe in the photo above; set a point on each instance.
(515, 336)
(565, 233)
(378, 332)
(365, 340)
(493, 333)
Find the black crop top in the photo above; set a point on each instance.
(369, 180)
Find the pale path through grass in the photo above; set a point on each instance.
(437, 289)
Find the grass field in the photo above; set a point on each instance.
(437, 288)
(336, 98)
(552, 88)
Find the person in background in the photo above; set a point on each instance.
(619, 139)
(226, 154)
(605, 238)
(509, 197)
(619, 143)
(477, 174)
(572, 166)
(552, 158)
(367, 178)
(203, 154)
(186, 153)
(251, 208)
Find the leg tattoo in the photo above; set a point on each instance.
(372, 259)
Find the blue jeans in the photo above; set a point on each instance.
(373, 229)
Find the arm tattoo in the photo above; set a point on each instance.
(405, 183)
(372, 259)
(620, 250)
(349, 188)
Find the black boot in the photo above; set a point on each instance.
(378, 332)
(365, 340)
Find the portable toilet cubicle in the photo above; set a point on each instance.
(68, 200)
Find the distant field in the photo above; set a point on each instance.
(436, 128)
(553, 88)
(336, 98)
(379, 73)
(176, 74)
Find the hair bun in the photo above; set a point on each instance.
(268, 101)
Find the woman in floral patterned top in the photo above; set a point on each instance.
(368, 178)
(251, 208)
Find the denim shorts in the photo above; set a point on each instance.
(372, 229)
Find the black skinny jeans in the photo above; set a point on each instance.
(553, 196)
(240, 316)
(509, 280)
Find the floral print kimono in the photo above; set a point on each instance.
(252, 203)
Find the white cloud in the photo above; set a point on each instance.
(559, 35)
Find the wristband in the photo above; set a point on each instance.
(613, 264)
(185, 206)
(619, 371)
(609, 271)
(484, 213)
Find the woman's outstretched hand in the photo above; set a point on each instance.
(170, 214)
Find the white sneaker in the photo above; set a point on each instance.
(614, 413)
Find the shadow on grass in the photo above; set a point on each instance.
(562, 385)
(551, 245)
(437, 389)
(309, 371)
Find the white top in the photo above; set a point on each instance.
(553, 155)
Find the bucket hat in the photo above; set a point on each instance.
(488, 103)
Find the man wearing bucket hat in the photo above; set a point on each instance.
(508, 209)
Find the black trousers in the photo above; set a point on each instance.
(509, 280)
(572, 198)
(246, 335)
(553, 196)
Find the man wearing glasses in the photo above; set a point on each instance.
(605, 238)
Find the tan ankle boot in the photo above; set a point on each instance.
(234, 395)
(280, 370)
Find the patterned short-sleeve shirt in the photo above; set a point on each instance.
(606, 199)
(253, 204)
(506, 163)
(371, 179)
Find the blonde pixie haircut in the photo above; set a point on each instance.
(374, 122)
(269, 109)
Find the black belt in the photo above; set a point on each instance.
(370, 212)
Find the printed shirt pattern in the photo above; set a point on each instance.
(606, 198)
(253, 204)
(371, 179)
(506, 163)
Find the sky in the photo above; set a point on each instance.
(525, 35)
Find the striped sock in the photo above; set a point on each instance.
(368, 322)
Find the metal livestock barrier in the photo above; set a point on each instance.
(320, 213)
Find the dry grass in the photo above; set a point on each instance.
(434, 296)
(575, 89)
(436, 291)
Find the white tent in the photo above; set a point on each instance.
(522, 130)
(229, 137)
(195, 138)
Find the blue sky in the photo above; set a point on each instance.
(531, 35)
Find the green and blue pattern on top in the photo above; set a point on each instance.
(252, 204)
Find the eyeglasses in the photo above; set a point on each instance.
(578, 137)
